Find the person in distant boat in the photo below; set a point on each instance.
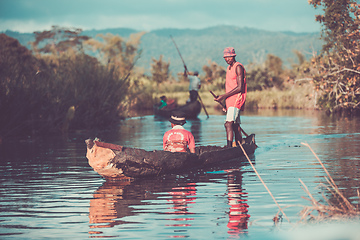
(166, 103)
(194, 85)
(178, 139)
(163, 102)
(235, 96)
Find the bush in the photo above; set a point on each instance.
(53, 93)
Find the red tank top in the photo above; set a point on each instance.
(237, 100)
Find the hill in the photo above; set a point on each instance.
(199, 46)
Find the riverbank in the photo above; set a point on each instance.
(292, 97)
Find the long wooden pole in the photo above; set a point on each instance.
(187, 72)
(202, 104)
(252, 165)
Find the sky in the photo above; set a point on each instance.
(27, 16)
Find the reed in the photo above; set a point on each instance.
(343, 210)
(319, 212)
(293, 97)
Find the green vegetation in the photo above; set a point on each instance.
(199, 46)
(297, 97)
(291, 96)
(72, 81)
(58, 86)
(336, 70)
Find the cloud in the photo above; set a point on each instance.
(39, 15)
(24, 26)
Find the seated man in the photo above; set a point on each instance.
(178, 139)
(163, 102)
(166, 103)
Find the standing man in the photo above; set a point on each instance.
(178, 139)
(235, 96)
(194, 85)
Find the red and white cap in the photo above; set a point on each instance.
(229, 52)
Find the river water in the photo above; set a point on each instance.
(48, 190)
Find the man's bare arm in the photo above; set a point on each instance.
(240, 82)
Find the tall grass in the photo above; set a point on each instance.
(293, 96)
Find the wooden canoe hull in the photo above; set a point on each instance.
(117, 162)
(191, 110)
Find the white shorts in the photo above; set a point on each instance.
(233, 115)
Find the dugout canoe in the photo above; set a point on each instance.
(118, 162)
(191, 110)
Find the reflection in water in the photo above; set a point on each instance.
(340, 154)
(195, 128)
(238, 217)
(181, 198)
(104, 208)
(113, 202)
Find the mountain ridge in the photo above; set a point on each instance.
(199, 46)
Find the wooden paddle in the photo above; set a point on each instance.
(215, 96)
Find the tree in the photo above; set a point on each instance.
(115, 53)
(58, 40)
(338, 65)
(274, 64)
(266, 75)
(213, 71)
(160, 70)
(258, 78)
(61, 87)
(18, 87)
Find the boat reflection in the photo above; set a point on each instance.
(115, 200)
(105, 209)
(171, 198)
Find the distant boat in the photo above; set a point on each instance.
(191, 110)
(118, 162)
